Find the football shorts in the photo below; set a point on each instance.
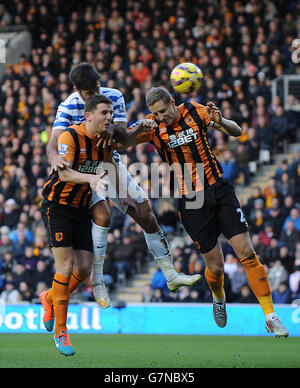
(67, 226)
(129, 186)
(220, 214)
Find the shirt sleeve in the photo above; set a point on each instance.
(201, 110)
(119, 110)
(63, 118)
(66, 146)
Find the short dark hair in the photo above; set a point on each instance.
(84, 76)
(156, 94)
(93, 101)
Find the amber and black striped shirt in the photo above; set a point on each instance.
(185, 144)
(80, 149)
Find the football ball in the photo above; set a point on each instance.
(186, 78)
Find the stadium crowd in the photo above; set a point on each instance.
(240, 46)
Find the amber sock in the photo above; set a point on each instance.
(216, 284)
(74, 282)
(259, 283)
(61, 297)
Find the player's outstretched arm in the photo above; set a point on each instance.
(143, 126)
(229, 127)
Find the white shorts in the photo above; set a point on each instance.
(127, 181)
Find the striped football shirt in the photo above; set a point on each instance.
(71, 111)
(185, 143)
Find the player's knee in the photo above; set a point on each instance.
(101, 214)
(84, 268)
(148, 220)
(245, 252)
(64, 266)
(217, 269)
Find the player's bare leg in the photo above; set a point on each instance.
(258, 281)
(159, 246)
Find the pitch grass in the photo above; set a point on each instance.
(150, 351)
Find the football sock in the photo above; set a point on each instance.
(61, 297)
(99, 234)
(216, 284)
(74, 282)
(159, 247)
(259, 283)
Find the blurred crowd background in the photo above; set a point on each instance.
(241, 46)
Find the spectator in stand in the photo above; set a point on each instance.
(282, 295)
(157, 296)
(277, 275)
(6, 243)
(20, 274)
(294, 217)
(11, 213)
(10, 294)
(272, 253)
(290, 235)
(286, 185)
(284, 167)
(246, 295)
(230, 265)
(167, 216)
(276, 219)
(184, 295)
(159, 281)
(242, 157)
(238, 279)
(264, 134)
(280, 126)
(230, 167)
(259, 247)
(147, 294)
(287, 258)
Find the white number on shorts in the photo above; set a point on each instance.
(242, 217)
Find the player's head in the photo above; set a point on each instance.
(162, 105)
(85, 79)
(98, 113)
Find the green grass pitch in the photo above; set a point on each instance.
(150, 351)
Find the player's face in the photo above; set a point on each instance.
(101, 117)
(85, 94)
(166, 113)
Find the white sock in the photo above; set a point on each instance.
(99, 234)
(159, 247)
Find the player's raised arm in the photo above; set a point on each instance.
(229, 127)
(141, 131)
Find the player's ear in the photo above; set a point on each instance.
(87, 115)
(172, 101)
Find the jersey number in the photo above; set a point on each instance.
(242, 217)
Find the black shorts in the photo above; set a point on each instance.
(220, 214)
(67, 226)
